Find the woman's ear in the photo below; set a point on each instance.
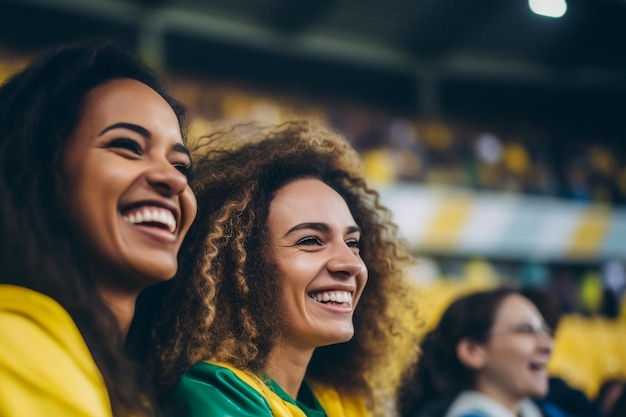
(471, 353)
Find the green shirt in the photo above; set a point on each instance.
(211, 390)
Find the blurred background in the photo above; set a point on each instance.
(495, 135)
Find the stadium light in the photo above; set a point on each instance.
(549, 8)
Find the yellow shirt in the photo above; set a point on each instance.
(46, 368)
(337, 405)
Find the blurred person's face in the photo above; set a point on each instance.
(315, 244)
(515, 356)
(125, 187)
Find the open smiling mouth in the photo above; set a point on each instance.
(332, 297)
(152, 216)
(537, 366)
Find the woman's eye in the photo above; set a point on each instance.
(310, 240)
(184, 168)
(127, 144)
(526, 329)
(353, 243)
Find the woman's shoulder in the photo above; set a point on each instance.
(17, 298)
(217, 388)
(336, 403)
(208, 372)
(44, 361)
(209, 388)
(476, 404)
(40, 320)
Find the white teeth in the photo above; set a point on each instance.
(152, 215)
(334, 296)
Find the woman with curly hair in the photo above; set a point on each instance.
(95, 205)
(283, 304)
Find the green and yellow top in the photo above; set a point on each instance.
(218, 389)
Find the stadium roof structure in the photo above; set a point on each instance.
(477, 58)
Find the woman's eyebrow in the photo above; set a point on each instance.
(322, 227)
(130, 126)
(353, 229)
(179, 147)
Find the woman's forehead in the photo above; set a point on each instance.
(513, 309)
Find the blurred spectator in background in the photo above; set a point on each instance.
(572, 401)
(486, 358)
(525, 159)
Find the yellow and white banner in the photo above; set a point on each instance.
(465, 222)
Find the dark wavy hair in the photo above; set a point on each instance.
(39, 108)
(217, 306)
(438, 373)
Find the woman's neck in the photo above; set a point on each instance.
(287, 366)
(122, 304)
(496, 394)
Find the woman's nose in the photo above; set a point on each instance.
(546, 342)
(345, 261)
(166, 178)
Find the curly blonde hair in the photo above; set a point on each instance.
(217, 307)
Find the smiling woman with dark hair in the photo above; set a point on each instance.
(284, 302)
(486, 358)
(95, 205)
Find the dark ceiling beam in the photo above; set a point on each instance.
(287, 17)
(453, 26)
(155, 23)
(487, 68)
(115, 10)
(307, 44)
